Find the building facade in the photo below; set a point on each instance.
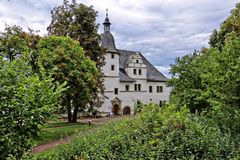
(129, 78)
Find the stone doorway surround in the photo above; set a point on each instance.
(116, 106)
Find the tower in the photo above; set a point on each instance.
(111, 67)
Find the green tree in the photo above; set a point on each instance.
(222, 81)
(78, 21)
(187, 82)
(25, 102)
(64, 60)
(12, 42)
(232, 23)
(193, 75)
(213, 77)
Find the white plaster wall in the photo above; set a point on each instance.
(129, 98)
(111, 61)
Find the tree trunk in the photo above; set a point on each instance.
(68, 103)
(74, 120)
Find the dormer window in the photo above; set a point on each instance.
(134, 71)
(112, 56)
(137, 61)
(140, 72)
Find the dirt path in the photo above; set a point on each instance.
(94, 121)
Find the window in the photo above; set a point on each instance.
(115, 90)
(112, 67)
(137, 61)
(138, 104)
(112, 56)
(150, 89)
(134, 71)
(159, 89)
(139, 87)
(140, 72)
(127, 87)
(135, 87)
(160, 103)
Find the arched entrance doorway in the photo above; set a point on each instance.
(116, 106)
(116, 109)
(126, 111)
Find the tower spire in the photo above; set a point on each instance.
(106, 23)
(107, 13)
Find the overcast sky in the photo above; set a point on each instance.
(160, 29)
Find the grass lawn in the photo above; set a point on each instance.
(56, 130)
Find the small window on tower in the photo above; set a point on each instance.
(112, 67)
(116, 91)
(134, 71)
(112, 56)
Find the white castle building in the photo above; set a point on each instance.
(129, 78)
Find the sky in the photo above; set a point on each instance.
(160, 29)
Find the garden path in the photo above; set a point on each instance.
(94, 121)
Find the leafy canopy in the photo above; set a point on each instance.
(26, 100)
(64, 60)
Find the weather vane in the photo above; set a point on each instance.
(107, 12)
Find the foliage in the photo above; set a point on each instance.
(25, 102)
(12, 42)
(187, 82)
(155, 133)
(78, 21)
(212, 77)
(231, 24)
(65, 61)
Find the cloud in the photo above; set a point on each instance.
(160, 29)
(164, 70)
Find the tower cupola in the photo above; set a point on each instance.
(106, 23)
(108, 41)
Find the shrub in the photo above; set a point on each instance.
(155, 133)
(25, 102)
